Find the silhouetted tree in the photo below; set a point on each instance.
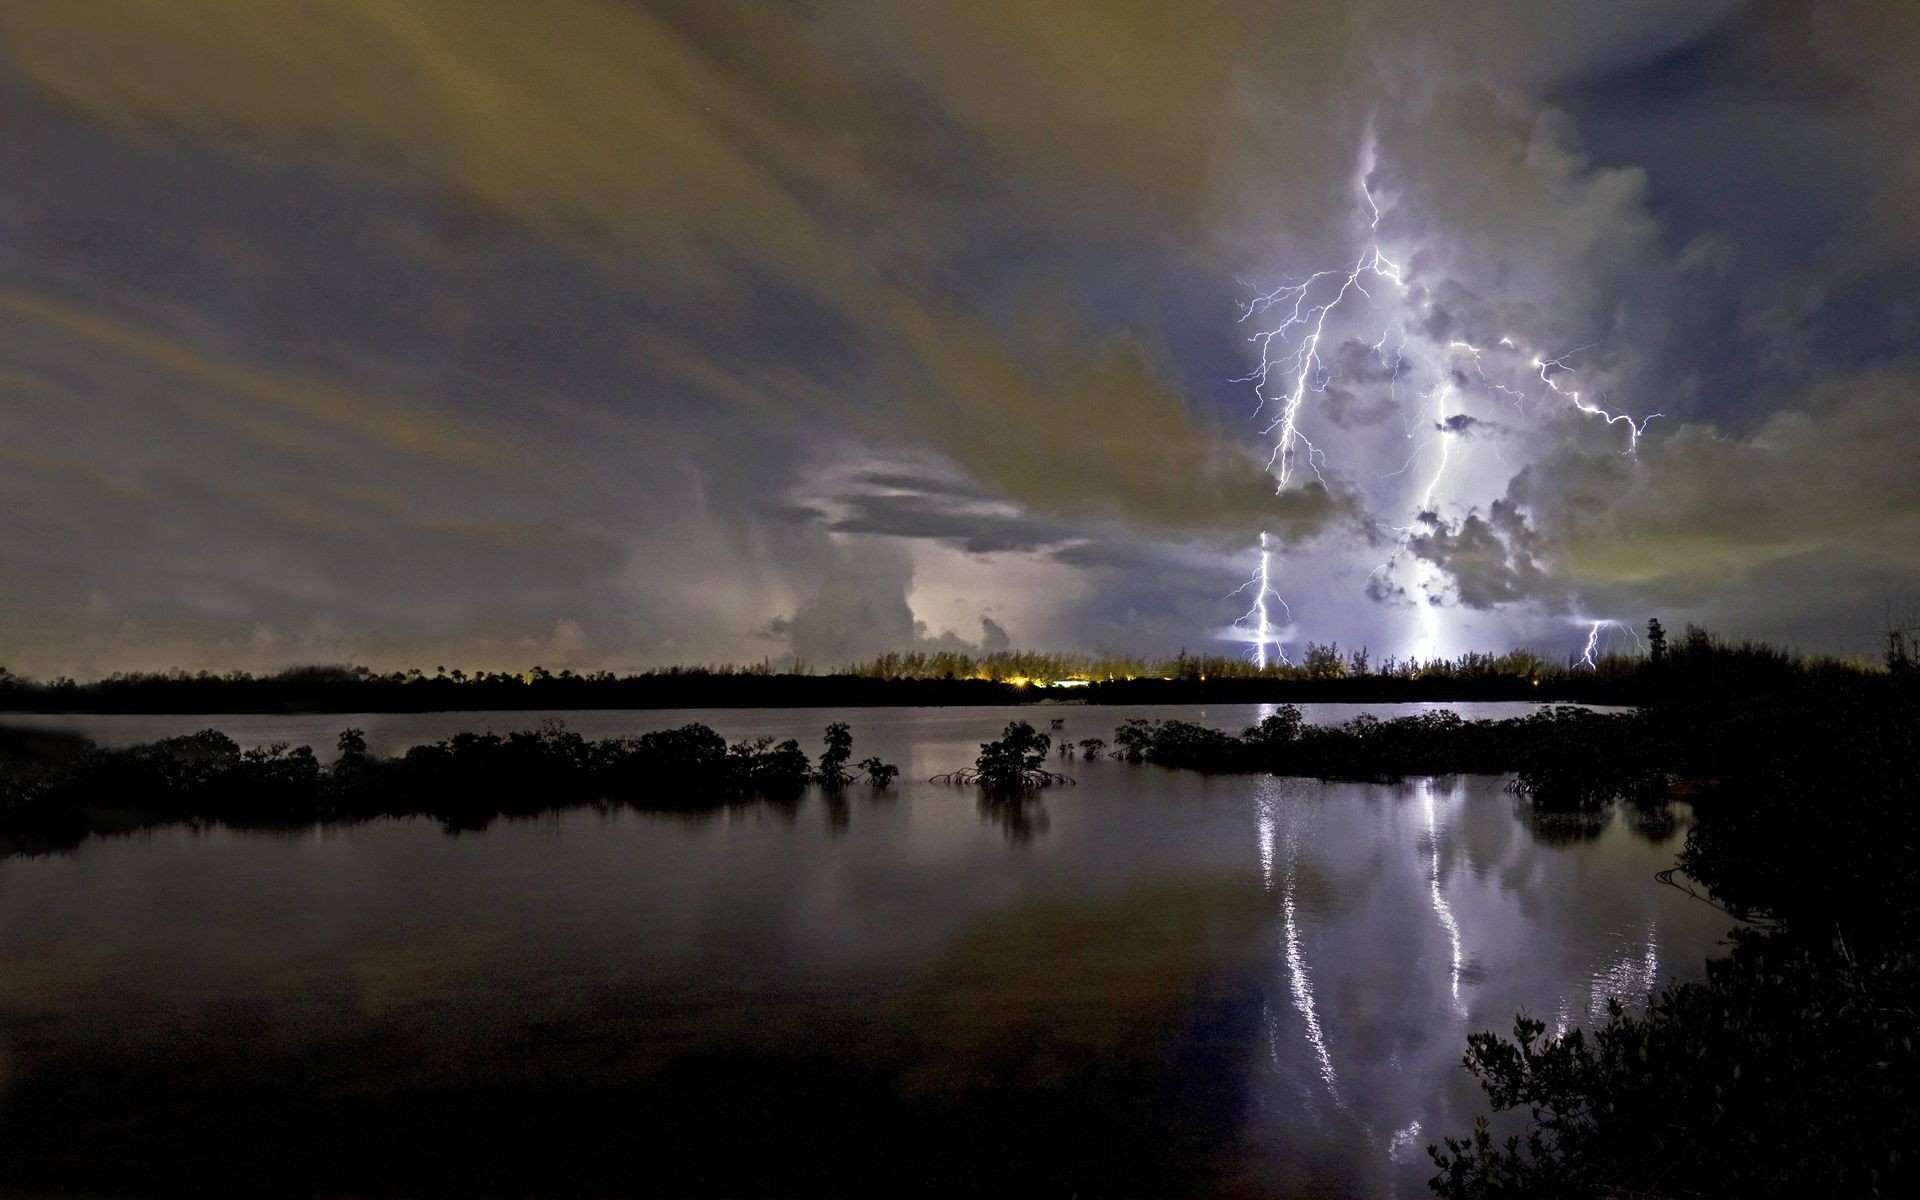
(1323, 662)
(833, 773)
(879, 774)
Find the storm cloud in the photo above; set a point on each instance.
(629, 333)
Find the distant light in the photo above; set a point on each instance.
(1071, 683)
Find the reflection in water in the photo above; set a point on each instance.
(1265, 805)
(1404, 1147)
(1299, 979)
(899, 982)
(1441, 908)
(1629, 978)
(1657, 823)
(1019, 817)
(839, 812)
(1303, 994)
(1560, 828)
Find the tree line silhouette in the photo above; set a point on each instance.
(1325, 673)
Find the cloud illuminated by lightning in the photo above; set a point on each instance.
(1302, 322)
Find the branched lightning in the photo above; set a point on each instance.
(1294, 362)
(1259, 617)
(1303, 325)
(1302, 367)
(1547, 366)
(1590, 657)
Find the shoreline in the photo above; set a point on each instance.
(253, 698)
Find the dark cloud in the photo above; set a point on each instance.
(1491, 560)
(912, 515)
(928, 485)
(1701, 513)
(795, 514)
(340, 328)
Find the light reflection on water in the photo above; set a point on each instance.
(1441, 908)
(1305, 999)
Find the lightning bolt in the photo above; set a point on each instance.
(1302, 366)
(1302, 323)
(1258, 619)
(1294, 322)
(1590, 657)
(1547, 366)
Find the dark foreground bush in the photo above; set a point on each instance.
(48, 801)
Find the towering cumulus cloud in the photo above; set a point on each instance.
(613, 333)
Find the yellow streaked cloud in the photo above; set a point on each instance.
(276, 409)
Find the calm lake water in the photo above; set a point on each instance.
(1152, 983)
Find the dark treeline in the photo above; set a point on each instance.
(57, 789)
(1691, 663)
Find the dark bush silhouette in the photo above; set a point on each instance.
(880, 774)
(833, 774)
(466, 781)
(1563, 758)
(1012, 765)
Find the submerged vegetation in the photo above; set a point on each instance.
(1561, 757)
(1012, 765)
(55, 790)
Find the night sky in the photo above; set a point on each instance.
(612, 334)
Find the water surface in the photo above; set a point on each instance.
(1150, 983)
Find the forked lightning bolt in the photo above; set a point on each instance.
(1304, 309)
(1590, 657)
(1294, 363)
